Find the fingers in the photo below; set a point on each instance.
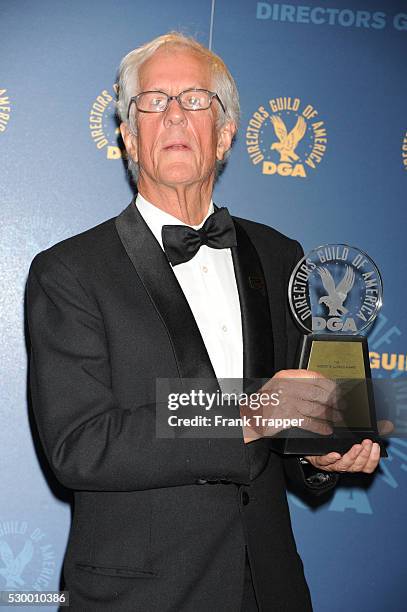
(299, 390)
(362, 457)
(323, 391)
(302, 380)
(319, 410)
(313, 396)
(373, 459)
(385, 427)
(312, 399)
(298, 374)
(324, 461)
(317, 426)
(288, 374)
(354, 460)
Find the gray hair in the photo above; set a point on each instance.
(222, 82)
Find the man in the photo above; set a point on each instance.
(184, 525)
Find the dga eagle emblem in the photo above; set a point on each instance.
(287, 141)
(296, 150)
(336, 295)
(318, 304)
(14, 566)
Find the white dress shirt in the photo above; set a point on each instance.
(209, 285)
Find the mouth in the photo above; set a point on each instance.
(176, 146)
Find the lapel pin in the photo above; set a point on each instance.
(256, 282)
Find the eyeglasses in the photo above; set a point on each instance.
(158, 101)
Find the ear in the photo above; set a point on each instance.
(130, 141)
(225, 137)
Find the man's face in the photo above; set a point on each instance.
(177, 147)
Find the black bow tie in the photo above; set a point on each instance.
(182, 242)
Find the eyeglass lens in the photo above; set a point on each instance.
(156, 101)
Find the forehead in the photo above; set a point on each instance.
(174, 68)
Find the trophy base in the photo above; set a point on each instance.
(299, 442)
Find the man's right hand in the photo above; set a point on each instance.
(302, 394)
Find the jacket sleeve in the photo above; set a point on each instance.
(90, 441)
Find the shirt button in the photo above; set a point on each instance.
(224, 328)
(204, 269)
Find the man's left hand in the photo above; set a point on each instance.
(362, 457)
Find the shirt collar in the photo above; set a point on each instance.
(156, 218)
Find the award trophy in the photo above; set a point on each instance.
(335, 293)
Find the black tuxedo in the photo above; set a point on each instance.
(159, 524)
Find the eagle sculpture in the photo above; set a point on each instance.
(336, 295)
(288, 142)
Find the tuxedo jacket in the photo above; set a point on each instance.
(159, 524)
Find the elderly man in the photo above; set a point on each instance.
(171, 288)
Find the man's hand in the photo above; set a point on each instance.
(305, 396)
(362, 457)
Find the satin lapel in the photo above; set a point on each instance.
(165, 293)
(258, 350)
(258, 354)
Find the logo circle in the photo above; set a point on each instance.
(335, 288)
(286, 137)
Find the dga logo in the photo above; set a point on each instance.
(404, 151)
(336, 288)
(103, 126)
(5, 110)
(286, 137)
(27, 562)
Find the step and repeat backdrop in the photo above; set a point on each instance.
(331, 73)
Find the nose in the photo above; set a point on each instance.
(175, 114)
